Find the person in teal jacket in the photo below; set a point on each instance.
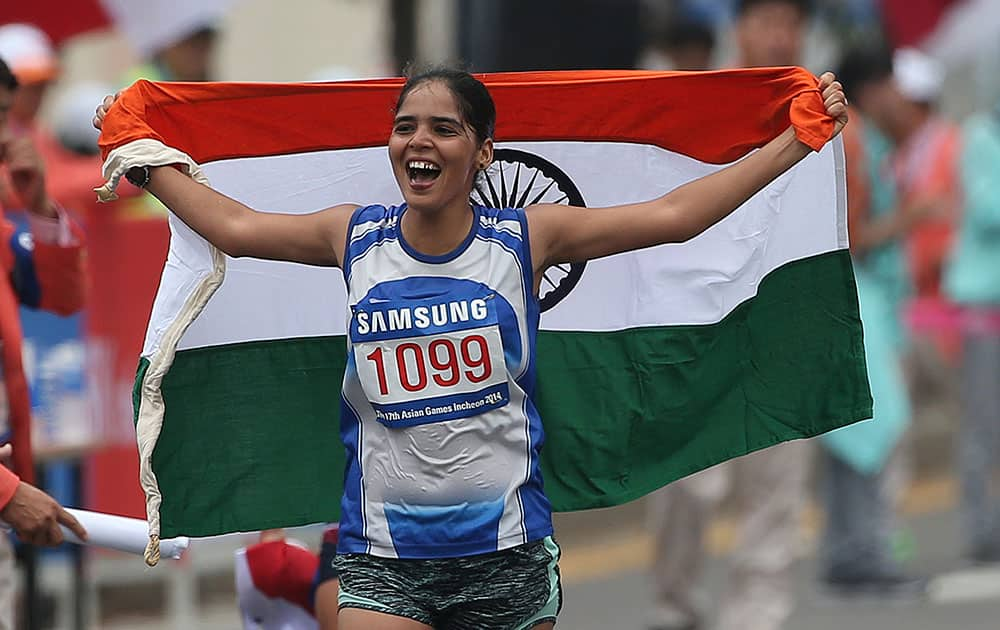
(972, 280)
(857, 556)
(857, 542)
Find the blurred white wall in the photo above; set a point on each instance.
(263, 40)
(436, 23)
(293, 40)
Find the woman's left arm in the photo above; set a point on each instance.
(568, 234)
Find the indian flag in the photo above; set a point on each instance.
(651, 365)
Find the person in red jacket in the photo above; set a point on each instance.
(41, 268)
(31, 57)
(34, 515)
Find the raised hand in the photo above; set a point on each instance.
(102, 109)
(834, 100)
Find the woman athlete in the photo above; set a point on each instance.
(444, 521)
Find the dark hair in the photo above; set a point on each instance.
(687, 32)
(7, 78)
(474, 101)
(862, 65)
(804, 6)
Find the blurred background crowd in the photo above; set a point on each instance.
(903, 509)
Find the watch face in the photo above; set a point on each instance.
(137, 176)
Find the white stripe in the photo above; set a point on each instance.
(840, 167)
(513, 524)
(697, 282)
(362, 229)
(511, 227)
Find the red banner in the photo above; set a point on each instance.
(128, 241)
(58, 18)
(909, 22)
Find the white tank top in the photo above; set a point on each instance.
(442, 436)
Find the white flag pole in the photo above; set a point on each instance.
(121, 533)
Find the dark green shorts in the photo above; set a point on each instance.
(513, 589)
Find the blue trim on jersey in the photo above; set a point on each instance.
(352, 502)
(532, 497)
(355, 248)
(373, 213)
(423, 531)
(534, 309)
(508, 240)
(443, 258)
(399, 415)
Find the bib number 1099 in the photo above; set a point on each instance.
(433, 378)
(445, 362)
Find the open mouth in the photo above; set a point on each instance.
(422, 172)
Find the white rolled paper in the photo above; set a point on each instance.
(130, 535)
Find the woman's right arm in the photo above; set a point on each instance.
(313, 239)
(318, 238)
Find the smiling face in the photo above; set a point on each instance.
(435, 153)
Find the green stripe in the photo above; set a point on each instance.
(628, 412)
(140, 374)
(251, 438)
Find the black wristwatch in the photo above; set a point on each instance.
(138, 176)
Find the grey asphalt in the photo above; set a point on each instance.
(964, 598)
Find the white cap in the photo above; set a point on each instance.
(73, 114)
(917, 75)
(28, 53)
(153, 25)
(260, 612)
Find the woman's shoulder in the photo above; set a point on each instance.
(510, 220)
(375, 212)
(500, 214)
(372, 223)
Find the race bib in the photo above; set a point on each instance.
(429, 360)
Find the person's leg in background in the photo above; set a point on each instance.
(857, 551)
(679, 517)
(8, 582)
(977, 443)
(325, 598)
(845, 542)
(772, 493)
